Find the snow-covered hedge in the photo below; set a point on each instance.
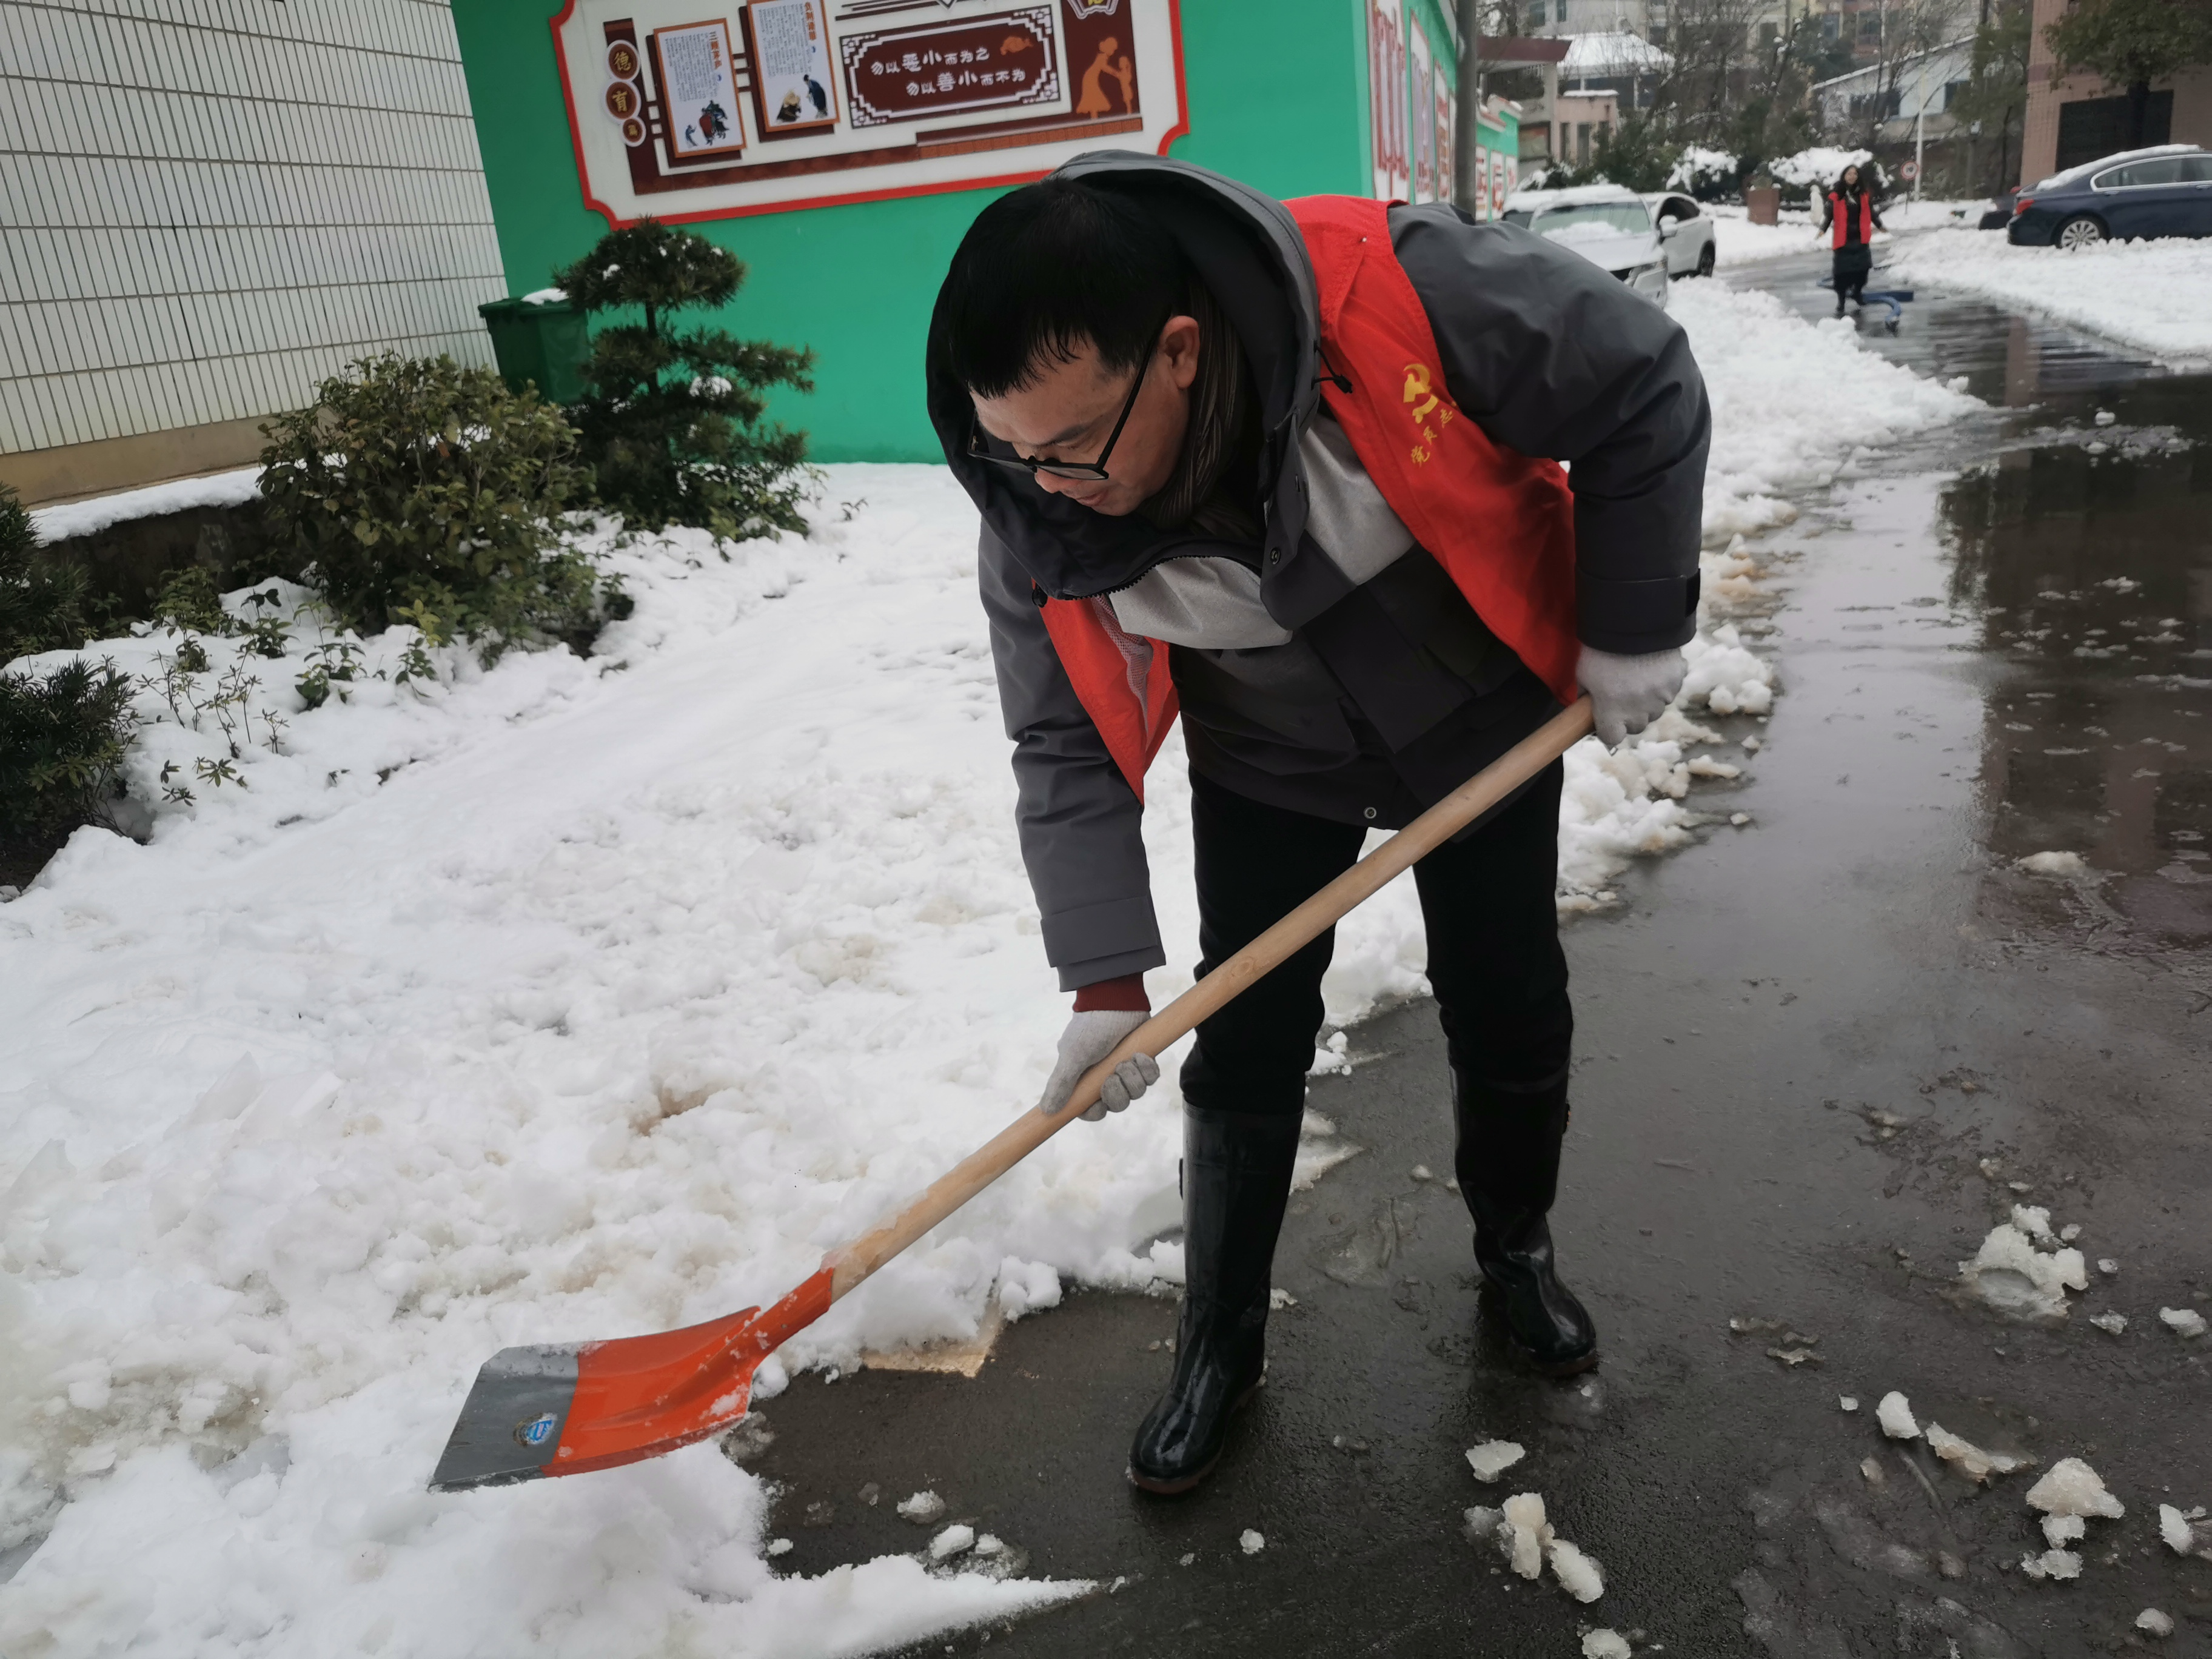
(1821, 166)
(1707, 174)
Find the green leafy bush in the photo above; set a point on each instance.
(62, 731)
(420, 491)
(672, 424)
(41, 610)
(62, 738)
(187, 599)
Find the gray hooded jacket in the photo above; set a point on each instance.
(1369, 688)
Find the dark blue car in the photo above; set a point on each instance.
(2165, 192)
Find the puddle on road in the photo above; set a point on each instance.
(2078, 531)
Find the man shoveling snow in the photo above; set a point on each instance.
(1294, 470)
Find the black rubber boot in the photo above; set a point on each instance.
(1235, 1179)
(1508, 1165)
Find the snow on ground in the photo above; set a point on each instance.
(1737, 241)
(584, 997)
(1795, 406)
(84, 517)
(2155, 296)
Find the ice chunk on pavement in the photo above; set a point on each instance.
(1026, 1286)
(986, 1544)
(2035, 1220)
(2053, 863)
(1971, 1459)
(2185, 1532)
(778, 1547)
(1577, 1574)
(1482, 1523)
(1493, 1458)
(1526, 1534)
(1250, 1542)
(2072, 1488)
(2069, 1233)
(951, 1541)
(1849, 1402)
(1605, 1644)
(2114, 1322)
(924, 1509)
(2183, 1322)
(1895, 1415)
(2051, 1564)
(2012, 1276)
(2107, 1265)
(2060, 1531)
(2151, 1620)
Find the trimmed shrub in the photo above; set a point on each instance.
(62, 738)
(420, 491)
(62, 731)
(672, 425)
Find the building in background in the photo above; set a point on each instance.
(1883, 103)
(205, 209)
(2080, 118)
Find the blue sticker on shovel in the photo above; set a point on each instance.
(537, 1431)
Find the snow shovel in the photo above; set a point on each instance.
(571, 1407)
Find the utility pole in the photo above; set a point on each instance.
(1469, 191)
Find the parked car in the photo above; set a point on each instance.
(1688, 231)
(2164, 191)
(1609, 225)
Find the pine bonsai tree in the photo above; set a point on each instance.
(672, 424)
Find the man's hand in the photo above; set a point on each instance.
(1629, 692)
(1090, 1036)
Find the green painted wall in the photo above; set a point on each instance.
(1277, 93)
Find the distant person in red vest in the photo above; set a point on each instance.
(1851, 219)
(1292, 467)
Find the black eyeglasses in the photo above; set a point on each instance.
(1094, 469)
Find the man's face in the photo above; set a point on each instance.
(1069, 412)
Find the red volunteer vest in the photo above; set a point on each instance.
(1501, 524)
(1837, 207)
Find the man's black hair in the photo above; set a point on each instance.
(1050, 268)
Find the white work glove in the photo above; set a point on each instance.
(1089, 1037)
(1629, 692)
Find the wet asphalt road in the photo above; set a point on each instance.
(1819, 1056)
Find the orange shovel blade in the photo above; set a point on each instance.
(567, 1408)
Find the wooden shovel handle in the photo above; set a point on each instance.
(853, 1263)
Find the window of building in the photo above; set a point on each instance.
(1769, 33)
(1830, 23)
(1869, 26)
(1582, 145)
(2090, 127)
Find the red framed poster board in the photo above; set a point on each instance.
(684, 110)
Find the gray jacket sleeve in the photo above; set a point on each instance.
(1551, 355)
(1081, 824)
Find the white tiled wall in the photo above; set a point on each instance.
(207, 206)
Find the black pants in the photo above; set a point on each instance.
(1494, 958)
(1854, 261)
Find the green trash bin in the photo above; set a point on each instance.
(546, 343)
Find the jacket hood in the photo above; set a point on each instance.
(1247, 249)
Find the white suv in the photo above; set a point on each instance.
(1609, 225)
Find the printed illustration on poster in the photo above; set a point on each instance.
(788, 51)
(782, 104)
(694, 69)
